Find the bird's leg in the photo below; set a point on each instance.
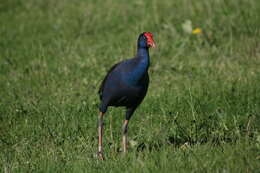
(100, 134)
(125, 128)
(129, 113)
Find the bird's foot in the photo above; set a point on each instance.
(100, 155)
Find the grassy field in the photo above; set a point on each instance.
(202, 110)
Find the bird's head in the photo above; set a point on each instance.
(145, 40)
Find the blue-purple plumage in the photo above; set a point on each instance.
(126, 83)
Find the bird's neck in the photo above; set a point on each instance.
(141, 67)
(143, 58)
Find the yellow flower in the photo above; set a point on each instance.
(196, 31)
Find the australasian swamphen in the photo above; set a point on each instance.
(126, 84)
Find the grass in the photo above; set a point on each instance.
(201, 113)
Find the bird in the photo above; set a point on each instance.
(125, 85)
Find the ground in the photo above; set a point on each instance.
(202, 110)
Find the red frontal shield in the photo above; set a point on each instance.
(150, 41)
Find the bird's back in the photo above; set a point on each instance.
(101, 88)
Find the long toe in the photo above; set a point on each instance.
(100, 156)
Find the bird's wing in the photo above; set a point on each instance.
(100, 91)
